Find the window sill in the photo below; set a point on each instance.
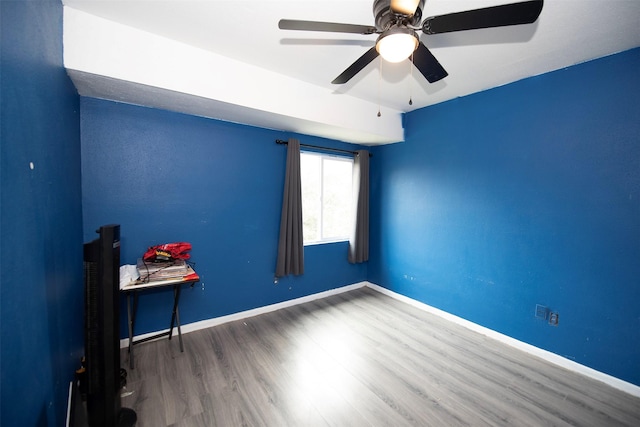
(323, 242)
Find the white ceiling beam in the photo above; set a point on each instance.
(114, 61)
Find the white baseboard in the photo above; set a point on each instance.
(520, 345)
(203, 324)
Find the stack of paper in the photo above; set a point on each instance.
(150, 271)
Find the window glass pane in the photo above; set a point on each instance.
(310, 170)
(326, 197)
(336, 198)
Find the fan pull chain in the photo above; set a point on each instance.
(411, 79)
(379, 83)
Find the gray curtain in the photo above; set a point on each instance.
(290, 245)
(359, 240)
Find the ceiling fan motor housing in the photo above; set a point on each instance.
(385, 17)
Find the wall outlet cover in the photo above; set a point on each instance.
(541, 311)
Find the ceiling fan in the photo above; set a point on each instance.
(397, 23)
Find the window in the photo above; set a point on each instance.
(326, 197)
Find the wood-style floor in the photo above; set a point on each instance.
(359, 359)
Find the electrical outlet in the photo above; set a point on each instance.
(541, 312)
(554, 318)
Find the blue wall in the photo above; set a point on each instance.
(168, 177)
(41, 287)
(522, 195)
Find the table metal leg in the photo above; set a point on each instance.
(175, 321)
(131, 314)
(175, 315)
(179, 331)
(130, 325)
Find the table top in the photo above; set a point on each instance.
(190, 277)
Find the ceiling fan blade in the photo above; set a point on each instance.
(293, 24)
(404, 7)
(427, 64)
(356, 67)
(496, 16)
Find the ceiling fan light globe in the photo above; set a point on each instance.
(396, 46)
(405, 7)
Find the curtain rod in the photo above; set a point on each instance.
(336, 150)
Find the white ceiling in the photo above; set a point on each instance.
(229, 60)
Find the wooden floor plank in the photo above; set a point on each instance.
(558, 390)
(359, 358)
(322, 376)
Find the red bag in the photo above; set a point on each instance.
(168, 252)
